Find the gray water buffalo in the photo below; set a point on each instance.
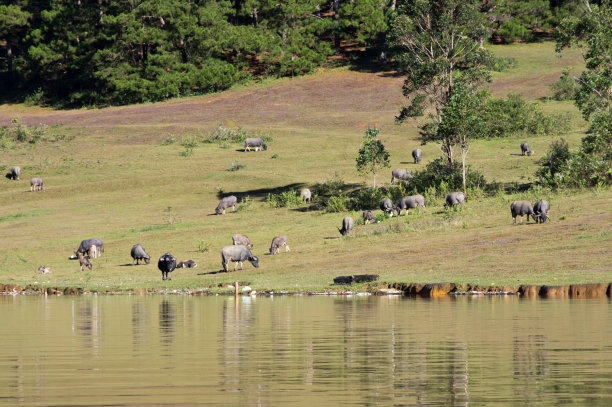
(540, 210)
(138, 253)
(368, 217)
(277, 243)
(187, 264)
(417, 153)
(14, 173)
(237, 254)
(455, 198)
(36, 184)
(83, 261)
(242, 239)
(525, 150)
(347, 224)
(521, 208)
(166, 264)
(410, 202)
(401, 174)
(386, 205)
(306, 195)
(256, 143)
(87, 243)
(228, 201)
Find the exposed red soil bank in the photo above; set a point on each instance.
(422, 290)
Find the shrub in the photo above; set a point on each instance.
(554, 165)
(565, 88)
(224, 136)
(17, 132)
(236, 166)
(515, 115)
(287, 199)
(337, 203)
(245, 204)
(513, 31)
(438, 179)
(331, 186)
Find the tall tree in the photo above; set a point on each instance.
(592, 164)
(372, 155)
(13, 22)
(438, 45)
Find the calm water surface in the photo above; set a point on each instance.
(176, 350)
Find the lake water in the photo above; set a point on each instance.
(180, 350)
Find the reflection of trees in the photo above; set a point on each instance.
(88, 322)
(530, 359)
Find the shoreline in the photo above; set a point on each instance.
(433, 290)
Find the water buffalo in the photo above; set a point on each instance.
(540, 210)
(525, 149)
(242, 239)
(417, 153)
(410, 202)
(277, 242)
(521, 208)
(36, 184)
(368, 217)
(347, 224)
(400, 174)
(386, 205)
(87, 243)
(166, 264)
(237, 254)
(226, 203)
(255, 143)
(138, 253)
(44, 269)
(187, 264)
(306, 195)
(455, 198)
(93, 251)
(14, 173)
(83, 261)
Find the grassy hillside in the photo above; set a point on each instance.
(114, 177)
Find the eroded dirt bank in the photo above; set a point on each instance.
(600, 290)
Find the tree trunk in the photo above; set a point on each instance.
(374, 180)
(9, 56)
(336, 7)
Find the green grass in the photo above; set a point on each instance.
(118, 181)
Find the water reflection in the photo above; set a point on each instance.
(296, 350)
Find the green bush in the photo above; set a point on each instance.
(511, 30)
(338, 203)
(17, 132)
(439, 179)
(331, 186)
(565, 88)
(516, 116)
(554, 165)
(287, 199)
(224, 136)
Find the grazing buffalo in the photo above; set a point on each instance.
(242, 239)
(36, 184)
(401, 174)
(540, 210)
(306, 195)
(410, 202)
(417, 153)
(138, 253)
(87, 243)
(347, 224)
(255, 143)
(277, 243)
(368, 217)
(93, 251)
(44, 269)
(455, 198)
(187, 264)
(386, 205)
(521, 208)
(237, 254)
(525, 150)
(83, 260)
(228, 201)
(14, 173)
(166, 264)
